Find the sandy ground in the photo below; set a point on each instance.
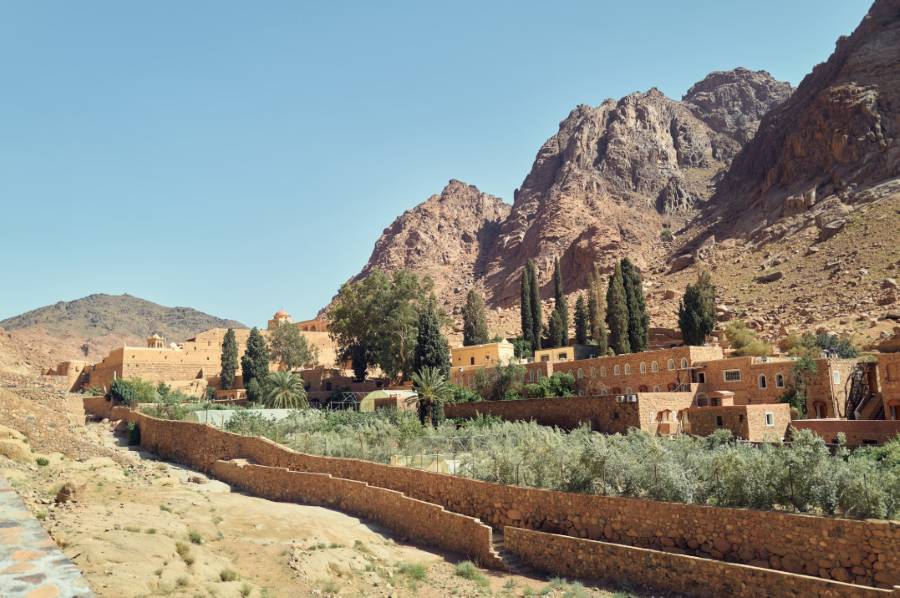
(142, 527)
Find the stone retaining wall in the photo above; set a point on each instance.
(862, 551)
(858, 431)
(587, 559)
(423, 522)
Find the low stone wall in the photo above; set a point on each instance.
(858, 432)
(862, 551)
(588, 559)
(423, 522)
(97, 407)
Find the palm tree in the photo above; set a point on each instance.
(284, 390)
(432, 391)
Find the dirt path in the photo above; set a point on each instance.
(142, 527)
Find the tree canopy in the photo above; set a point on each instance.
(229, 359)
(581, 321)
(562, 306)
(376, 320)
(290, 348)
(432, 350)
(255, 364)
(617, 312)
(525, 310)
(596, 311)
(534, 299)
(284, 390)
(475, 329)
(697, 310)
(638, 319)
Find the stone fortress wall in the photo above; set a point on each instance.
(864, 552)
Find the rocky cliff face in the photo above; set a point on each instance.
(837, 133)
(446, 237)
(602, 187)
(733, 102)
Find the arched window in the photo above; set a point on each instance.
(531, 376)
(642, 388)
(602, 391)
(684, 363)
(836, 377)
(779, 380)
(671, 365)
(656, 388)
(602, 371)
(627, 368)
(580, 373)
(654, 367)
(643, 368)
(615, 370)
(628, 390)
(762, 381)
(593, 371)
(820, 411)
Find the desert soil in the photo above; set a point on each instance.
(142, 527)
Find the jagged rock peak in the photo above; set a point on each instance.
(733, 102)
(444, 237)
(838, 130)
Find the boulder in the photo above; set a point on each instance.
(832, 228)
(681, 262)
(770, 277)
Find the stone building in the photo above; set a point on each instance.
(195, 363)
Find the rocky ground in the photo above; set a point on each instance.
(136, 526)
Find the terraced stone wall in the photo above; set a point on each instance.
(861, 551)
(587, 559)
(423, 522)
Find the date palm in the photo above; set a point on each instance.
(432, 391)
(284, 390)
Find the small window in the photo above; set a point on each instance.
(593, 371)
(654, 367)
(627, 369)
(656, 388)
(628, 390)
(603, 372)
(602, 391)
(770, 419)
(836, 377)
(671, 365)
(615, 415)
(720, 421)
(732, 375)
(741, 418)
(701, 377)
(580, 373)
(684, 363)
(643, 368)
(762, 381)
(471, 361)
(531, 376)
(615, 370)
(895, 411)
(779, 380)
(562, 356)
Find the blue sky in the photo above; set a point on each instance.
(241, 157)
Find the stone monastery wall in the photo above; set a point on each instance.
(427, 523)
(861, 551)
(587, 559)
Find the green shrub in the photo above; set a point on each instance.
(666, 235)
(228, 575)
(468, 570)
(195, 537)
(42, 461)
(134, 434)
(745, 341)
(415, 571)
(132, 391)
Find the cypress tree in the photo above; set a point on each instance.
(559, 296)
(617, 313)
(537, 318)
(255, 364)
(525, 308)
(432, 350)
(555, 334)
(581, 321)
(697, 310)
(229, 359)
(638, 319)
(596, 312)
(475, 329)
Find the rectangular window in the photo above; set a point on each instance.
(720, 421)
(770, 419)
(732, 375)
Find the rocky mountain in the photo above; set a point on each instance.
(603, 186)
(837, 134)
(733, 102)
(97, 323)
(446, 237)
